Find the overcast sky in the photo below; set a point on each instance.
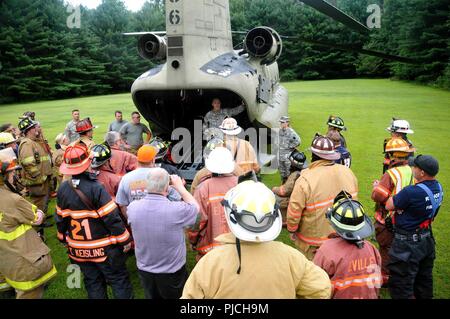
(133, 5)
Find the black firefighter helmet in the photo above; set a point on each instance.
(348, 218)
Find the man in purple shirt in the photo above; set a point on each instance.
(158, 230)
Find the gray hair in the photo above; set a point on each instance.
(157, 180)
(112, 137)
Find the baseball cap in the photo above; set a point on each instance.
(146, 153)
(427, 163)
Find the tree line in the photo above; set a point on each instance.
(42, 58)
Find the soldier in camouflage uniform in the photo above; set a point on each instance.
(215, 117)
(283, 192)
(288, 140)
(36, 164)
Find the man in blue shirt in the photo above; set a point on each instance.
(413, 250)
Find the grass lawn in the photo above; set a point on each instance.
(366, 106)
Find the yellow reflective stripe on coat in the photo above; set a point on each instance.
(29, 285)
(16, 233)
(29, 182)
(27, 160)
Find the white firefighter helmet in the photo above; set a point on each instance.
(252, 212)
(400, 126)
(220, 161)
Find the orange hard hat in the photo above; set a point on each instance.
(399, 147)
(76, 160)
(147, 153)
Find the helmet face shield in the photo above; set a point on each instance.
(250, 222)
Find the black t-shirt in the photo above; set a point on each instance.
(414, 205)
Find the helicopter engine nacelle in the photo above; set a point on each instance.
(152, 47)
(263, 43)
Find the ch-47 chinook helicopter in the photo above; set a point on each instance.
(198, 63)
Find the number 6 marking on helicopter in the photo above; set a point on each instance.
(174, 15)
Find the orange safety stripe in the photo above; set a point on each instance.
(324, 203)
(205, 249)
(315, 241)
(291, 228)
(79, 214)
(379, 217)
(106, 209)
(294, 213)
(95, 260)
(216, 197)
(90, 244)
(357, 281)
(382, 190)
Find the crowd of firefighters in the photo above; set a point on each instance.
(126, 196)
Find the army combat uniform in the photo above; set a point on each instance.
(37, 171)
(288, 140)
(213, 119)
(283, 193)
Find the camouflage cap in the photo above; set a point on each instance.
(284, 119)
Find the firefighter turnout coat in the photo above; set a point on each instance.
(313, 194)
(35, 161)
(269, 270)
(90, 232)
(243, 153)
(25, 260)
(209, 195)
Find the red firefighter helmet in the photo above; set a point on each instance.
(84, 125)
(76, 160)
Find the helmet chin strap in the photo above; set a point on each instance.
(11, 186)
(238, 247)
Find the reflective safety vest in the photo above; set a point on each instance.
(401, 177)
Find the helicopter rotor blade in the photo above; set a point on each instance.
(145, 32)
(336, 14)
(352, 48)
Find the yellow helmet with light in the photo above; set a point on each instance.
(252, 212)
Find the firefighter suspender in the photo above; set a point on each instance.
(435, 203)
